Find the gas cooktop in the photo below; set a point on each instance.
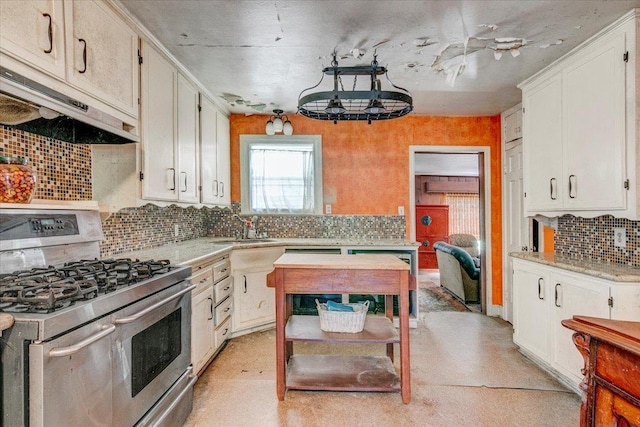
(48, 289)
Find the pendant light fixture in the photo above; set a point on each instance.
(279, 123)
(340, 104)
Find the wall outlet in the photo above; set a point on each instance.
(620, 237)
(400, 210)
(327, 209)
(176, 230)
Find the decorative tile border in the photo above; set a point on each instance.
(62, 169)
(592, 239)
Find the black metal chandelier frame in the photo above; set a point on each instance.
(338, 105)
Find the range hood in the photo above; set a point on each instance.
(32, 107)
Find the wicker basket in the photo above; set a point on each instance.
(343, 321)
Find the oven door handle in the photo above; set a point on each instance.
(66, 351)
(134, 317)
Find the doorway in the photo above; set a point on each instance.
(446, 160)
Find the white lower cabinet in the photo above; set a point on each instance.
(530, 309)
(211, 308)
(573, 296)
(543, 296)
(255, 307)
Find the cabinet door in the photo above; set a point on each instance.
(255, 301)
(102, 54)
(33, 31)
(159, 82)
(223, 160)
(531, 309)
(188, 129)
(594, 119)
(208, 151)
(573, 296)
(542, 146)
(513, 126)
(202, 328)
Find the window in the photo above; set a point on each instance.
(281, 174)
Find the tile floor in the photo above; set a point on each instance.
(465, 370)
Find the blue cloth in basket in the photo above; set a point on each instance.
(336, 306)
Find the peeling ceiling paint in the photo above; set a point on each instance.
(256, 55)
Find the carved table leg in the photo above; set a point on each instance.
(582, 343)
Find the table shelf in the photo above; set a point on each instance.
(307, 328)
(341, 373)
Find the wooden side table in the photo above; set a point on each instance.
(611, 384)
(299, 273)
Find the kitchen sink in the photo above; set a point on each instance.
(243, 241)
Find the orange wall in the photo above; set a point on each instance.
(365, 168)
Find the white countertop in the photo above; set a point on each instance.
(614, 272)
(191, 251)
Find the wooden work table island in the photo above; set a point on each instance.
(298, 273)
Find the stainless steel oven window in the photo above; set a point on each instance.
(153, 349)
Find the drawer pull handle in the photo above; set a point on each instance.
(245, 283)
(211, 308)
(540, 289)
(552, 188)
(49, 33)
(226, 288)
(556, 295)
(227, 309)
(225, 331)
(572, 178)
(84, 56)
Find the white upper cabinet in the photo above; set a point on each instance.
(579, 130)
(542, 147)
(159, 86)
(214, 154)
(102, 54)
(171, 131)
(81, 48)
(594, 121)
(513, 125)
(34, 32)
(224, 160)
(188, 134)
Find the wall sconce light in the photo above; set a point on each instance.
(279, 123)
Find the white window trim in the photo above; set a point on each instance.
(245, 143)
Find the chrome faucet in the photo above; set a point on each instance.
(248, 227)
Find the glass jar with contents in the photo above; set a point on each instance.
(17, 180)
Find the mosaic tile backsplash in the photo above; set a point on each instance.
(312, 226)
(592, 239)
(133, 229)
(63, 170)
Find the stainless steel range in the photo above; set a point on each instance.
(95, 342)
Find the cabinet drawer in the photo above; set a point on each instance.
(610, 409)
(221, 269)
(202, 278)
(222, 332)
(618, 367)
(222, 289)
(223, 310)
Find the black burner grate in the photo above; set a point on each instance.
(44, 290)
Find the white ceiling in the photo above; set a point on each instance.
(259, 55)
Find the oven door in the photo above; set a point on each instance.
(151, 351)
(70, 379)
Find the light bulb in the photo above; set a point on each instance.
(277, 124)
(269, 130)
(287, 128)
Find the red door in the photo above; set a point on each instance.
(432, 225)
